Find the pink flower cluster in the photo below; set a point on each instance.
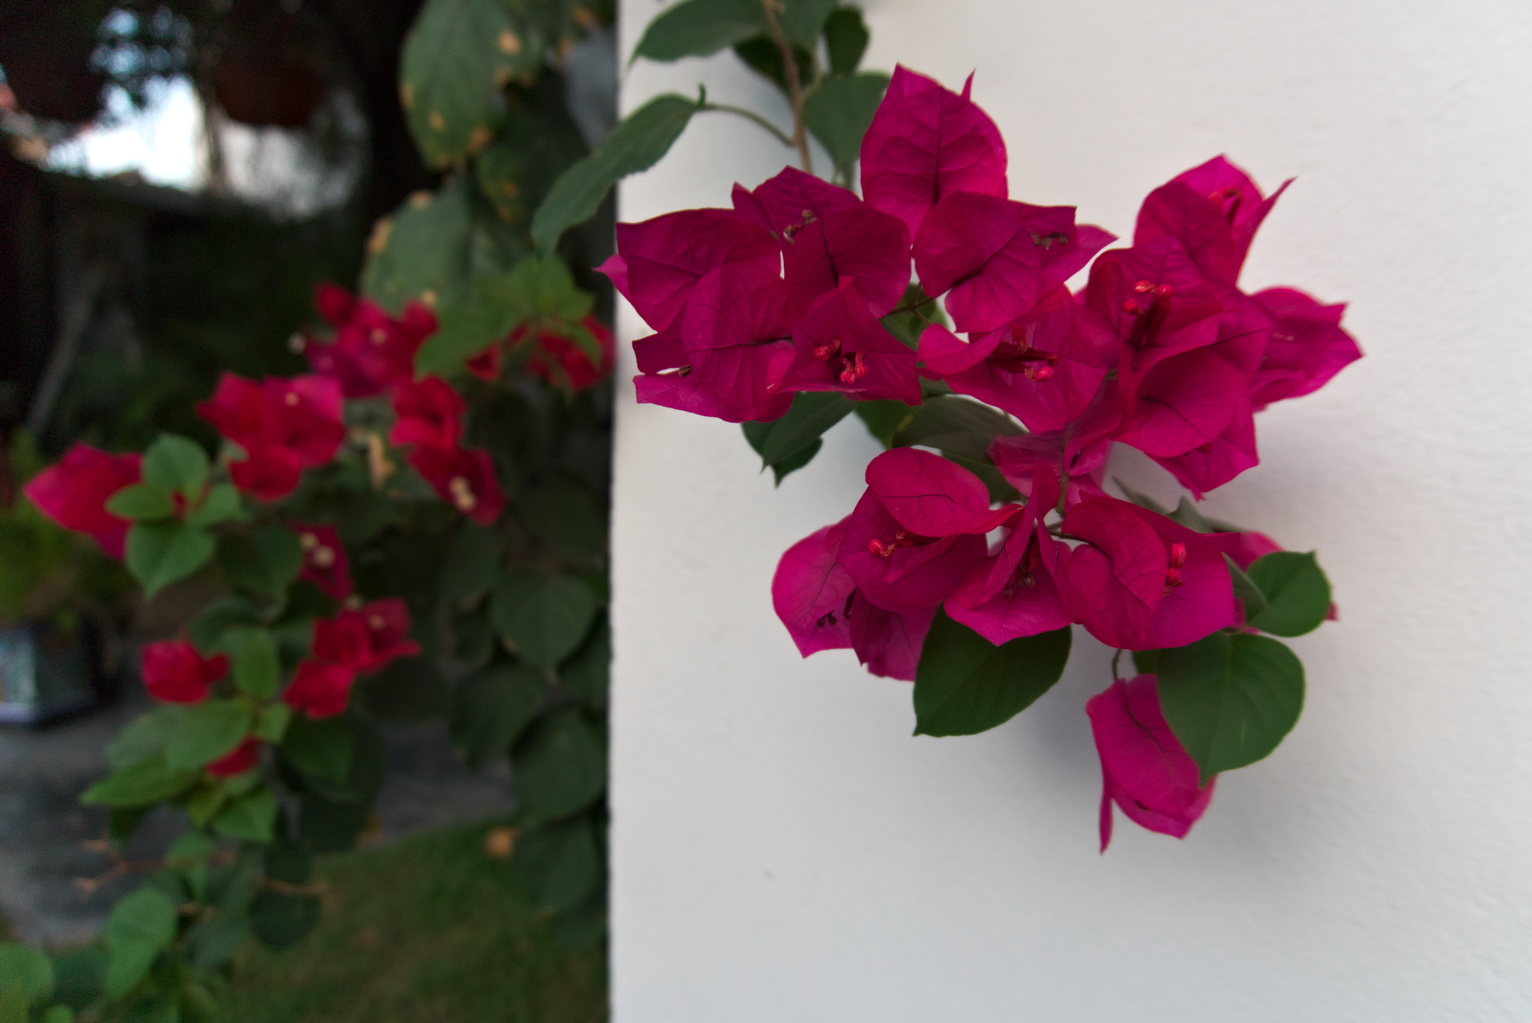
(1160, 350)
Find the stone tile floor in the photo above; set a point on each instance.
(44, 830)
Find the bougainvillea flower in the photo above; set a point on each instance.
(486, 365)
(267, 473)
(74, 493)
(427, 411)
(245, 756)
(335, 303)
(994, 258)
(1043, 368)
(284, 425)
(1212, 211)
(1156, 301)
(660, 261)
(173, 671)
(811, 593)
(926, 142)
(371, 352)
(320, 689)
(917, 528)
(1141, 581)
(858, 243)
(325, 563)
(1011, 593)
(1076, 456)
(465, 478)
(792, 200)
(366, 638)
(737, 347)
(888, 643)
(1217, 462)
(1182, 403)
(561, 361)
(840, 346)
(818, 602)
(1145, 770)
(1306, 349)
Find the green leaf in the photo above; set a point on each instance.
(536, 289)
(264, 562)
(144, 738)
(803, 20)
(1189, 515)
(838, 112)
(188, 855)
(755, 435)
(161, 553)
(421, 252)
(561, 862)
(957, 425)
(845, 39)
(329, 825)
(148, 781)
(588, 673)
(561, 767)
(1245, 590)
(698, 28)
(965, 685)
(256, 668)
(811, 414)
(58, 1014)
(250, 818)
(916, 311)
(321, 749)
(1296, 590)
(543, 618)
(457, 57)
(212, 943)
(176, 464)
(1230, 698)
(206, 732)
(636, 144)
(221, 505)
(536, 141)
(206, 629)
(140, 927)
(142, 502)
(564, 516)
(280, 919)
(884, 419)
(28, 969)
(493, 708)
(271, 722)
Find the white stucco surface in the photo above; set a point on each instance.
(783, 850)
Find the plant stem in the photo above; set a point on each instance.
(794, 85)
(750, 115)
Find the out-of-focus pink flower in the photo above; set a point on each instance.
(74, 493)
(175, 672)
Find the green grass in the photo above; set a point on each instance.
(427, 930)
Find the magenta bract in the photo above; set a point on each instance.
(1145, 770)
(926, 142)
(74, 493)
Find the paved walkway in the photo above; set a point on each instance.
(43, 829)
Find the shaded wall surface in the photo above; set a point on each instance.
(784, 850)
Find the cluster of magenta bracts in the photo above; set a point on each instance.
(1160, 350)
(277, 429)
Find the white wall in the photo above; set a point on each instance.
(783, 850)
